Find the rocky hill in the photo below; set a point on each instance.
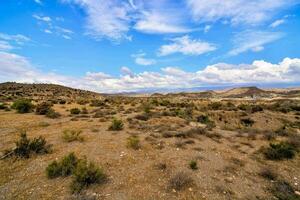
(12, 90)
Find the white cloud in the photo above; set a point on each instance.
(19, 39)
(18, 68)
(236, 11)
(42, 18)
(38, 2)
(141, 60)
(126, 71)
(48, 31)
(5, 46)
(66, 37)
(252, 41)
(277, 23)
(186, 46)
(158, 23)
(207, 28)
(105, 18)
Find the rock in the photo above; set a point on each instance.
(229, 179)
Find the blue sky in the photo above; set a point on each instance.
(134, 45)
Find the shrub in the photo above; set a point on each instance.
(53, 170)
(133, 142)
(62, 101)
(97, 103)
(256, 108)
(86, 174)
(204, 119)
(64, 167)
(84, 110)
(116, 125)
(215, 106)
(268, 173)
(180, 181)
(193, 165)
(75, 111)
(72, 135)
(247, 122)
(52, 114)
(282, 150)
(24, 147)
(282, 190)
(142, 117)
(3, 106)
(43, 108)
(23, 105)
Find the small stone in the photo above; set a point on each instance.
(190, 189)
(297, 193)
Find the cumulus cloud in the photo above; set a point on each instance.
(141, 60)
(238, 11)
(18, 68)
(186, 46)
(252, 41)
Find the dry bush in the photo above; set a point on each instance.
(72, 135)
(180, 181)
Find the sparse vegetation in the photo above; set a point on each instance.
(279, 151)
(180, 181)
(133, 142)
(193, 165)
(72, 135)
(116, 125)
(75, 111)
(43, 108)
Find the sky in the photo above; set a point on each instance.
(140, 45)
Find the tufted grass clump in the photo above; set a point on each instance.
(116, 125)
(133, 142)
(72, 135)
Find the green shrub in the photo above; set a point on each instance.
(52, 114)
(22, 105)
(65, 167)
(247, 121)
(116, 125)
(43, 108)
(86, 174)
(282, 150)
(133, 142)
(25, 146)
(193, 165)
(53, 170)
(62, 101)
(72, 135)
(75, 111)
